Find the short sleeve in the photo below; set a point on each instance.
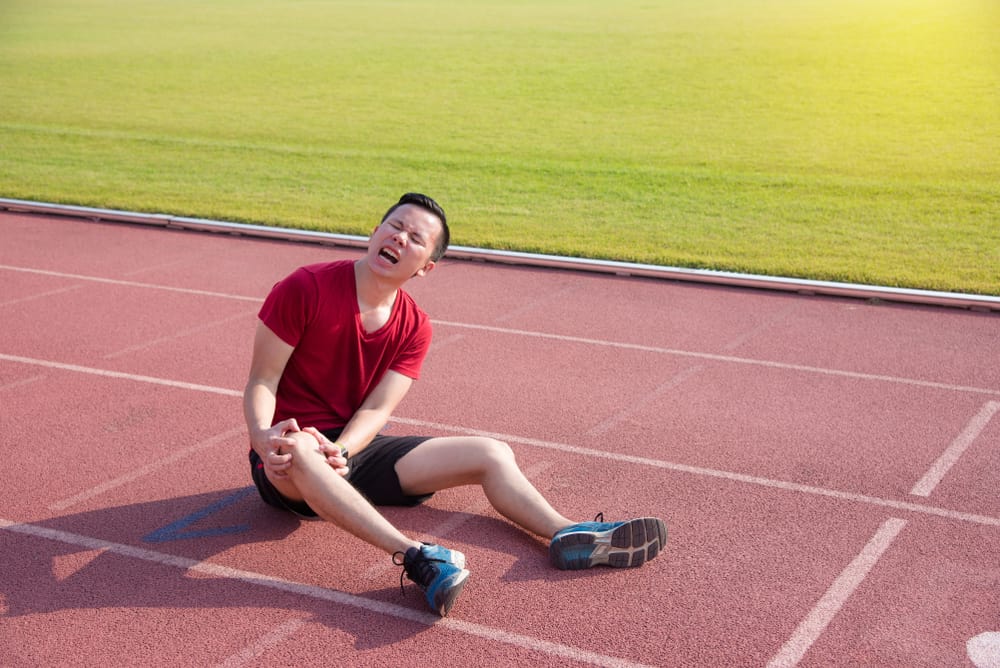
(290, 306)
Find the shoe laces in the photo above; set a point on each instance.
(599, 517)
(420, 569)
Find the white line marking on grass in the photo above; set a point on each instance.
(311, 591)
(131, 284)
(810, 629)
(950, 456)
(157, 463)
(725, 358)
(587, 452)
(274, 638)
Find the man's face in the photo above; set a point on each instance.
(403, 243)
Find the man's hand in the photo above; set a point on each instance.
(334, 455)
(269, 443)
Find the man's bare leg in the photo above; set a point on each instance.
(440, 463)
(447, 462)
(313, 480)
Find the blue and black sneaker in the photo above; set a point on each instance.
(453, 557)
(435, 569)
(615, 544)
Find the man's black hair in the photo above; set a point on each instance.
(428, 204)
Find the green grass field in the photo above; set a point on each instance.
(852, 141)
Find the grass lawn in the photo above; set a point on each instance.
(852, 141)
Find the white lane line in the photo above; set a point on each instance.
(940, 468)
(556, 297)
(454, 521)
(725, 358)
(712, 473)
(613, 421)
(121, 375)
(21, 383)
(560, 337)
(587, 452)
(271, 639)
(155, 465)
(983, 650)
(39, 295)
(131, 284)
(810, 628)
(776, 317)
(211, 324)
(439, 342)
(332, 595)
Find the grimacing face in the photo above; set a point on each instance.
(405, 241)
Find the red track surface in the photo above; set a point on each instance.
(828, 470)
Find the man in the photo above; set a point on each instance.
(337, 347)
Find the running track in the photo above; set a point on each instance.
(827, 467)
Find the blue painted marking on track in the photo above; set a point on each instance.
(178, 530)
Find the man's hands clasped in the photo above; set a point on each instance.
(273, 445)
(335, 454)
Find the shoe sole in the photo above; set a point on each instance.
(445, 598)
(627, 546)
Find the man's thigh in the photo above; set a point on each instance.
(450, 461)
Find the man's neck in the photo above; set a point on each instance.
(373, 290)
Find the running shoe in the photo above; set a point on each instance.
(444, 554)
(599, 543)
(440, 579)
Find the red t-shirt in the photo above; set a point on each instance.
(335, 363)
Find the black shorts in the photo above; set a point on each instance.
(372, 472)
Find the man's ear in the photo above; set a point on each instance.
(426, 269)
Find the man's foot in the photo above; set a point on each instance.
(616, 544)
(435, 570)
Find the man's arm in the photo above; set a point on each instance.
(375, 411)
(270, 355)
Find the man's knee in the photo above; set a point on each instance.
(495, 451)
(304, 447)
